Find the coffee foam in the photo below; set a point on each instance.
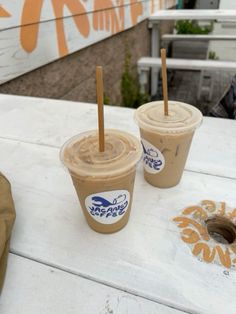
(82, 157)
(181, 118)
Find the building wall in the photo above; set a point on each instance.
(37, 32)
(73, 77)
(63, 40)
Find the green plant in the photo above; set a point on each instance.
(190, 27)
(131, 96)
(106, 99)
(212, 55)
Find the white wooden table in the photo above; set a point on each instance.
(59, 265)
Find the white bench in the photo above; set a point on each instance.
(227, 5)
(146, 63)
(186, 64)
(192, 15)
(160, 15)
(192, 37)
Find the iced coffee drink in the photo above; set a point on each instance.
(166, 140)
(103, 180)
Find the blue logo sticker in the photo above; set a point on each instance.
(153, 159)
(108, 207)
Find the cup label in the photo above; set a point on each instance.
(153, 159)
(108, 207)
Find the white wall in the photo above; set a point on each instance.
(36, 32)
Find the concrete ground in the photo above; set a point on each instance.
(184, 87)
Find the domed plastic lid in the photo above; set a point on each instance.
(81, 155)
(182, 117)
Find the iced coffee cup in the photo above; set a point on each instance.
(103, 181)
(166, 140)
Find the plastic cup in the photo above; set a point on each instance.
(103, 181)
(166, 140)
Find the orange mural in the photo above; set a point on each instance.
(110, 18)
(31, 18)
(152, 6)
(161, 4)
(106, 18)
(193, 224)
(3, 12)
(136, 10)
(45, 30)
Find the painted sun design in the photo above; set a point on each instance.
(197, 225)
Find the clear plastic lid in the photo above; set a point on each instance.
(181, 118)
(81, 155)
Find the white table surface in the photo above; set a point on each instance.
(146, 258)
(31, 287)
(50, 123)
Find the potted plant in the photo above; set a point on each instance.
(185, 49)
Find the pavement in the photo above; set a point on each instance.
(184, 87)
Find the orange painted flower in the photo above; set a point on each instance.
(152, 6)
(136, 8)
(30, 22)
(3, 12)
(201, 226)
(107, 17)
(110, 18)
(161, 4)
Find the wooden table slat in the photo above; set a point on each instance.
(31, 287)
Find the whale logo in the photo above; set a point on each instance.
(153, 159)
(149, 151)
(108, 207)
(101, 201)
